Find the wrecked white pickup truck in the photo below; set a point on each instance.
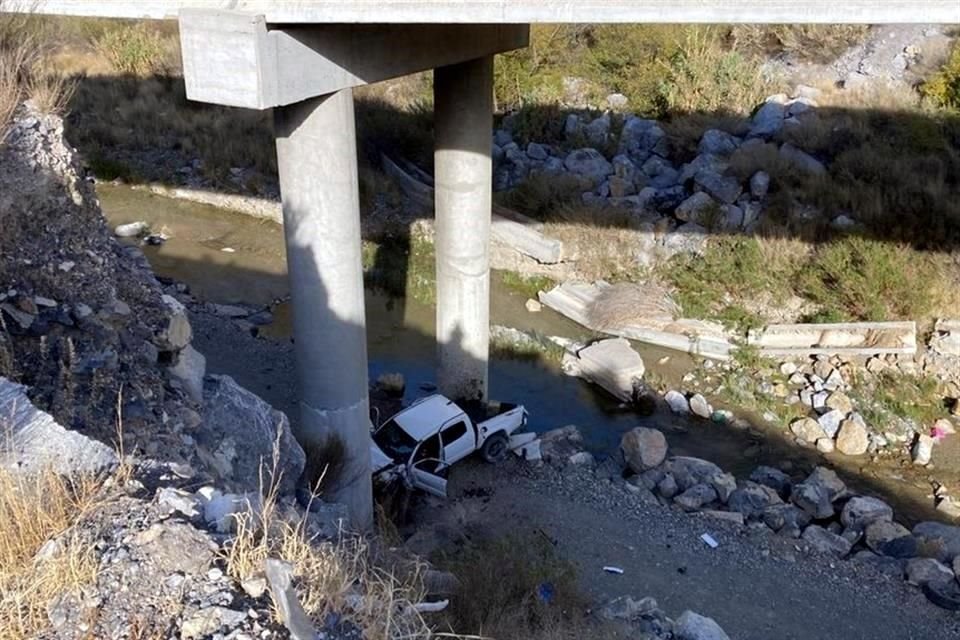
(420, 443)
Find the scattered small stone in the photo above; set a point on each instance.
(696, 496)
(533, 306)
(700, 407)
(677, 402)
(807, 430)
(922, 449)
(853, 439)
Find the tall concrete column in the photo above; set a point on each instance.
(463, 107)
(317, 161)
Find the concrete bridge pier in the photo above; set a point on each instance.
(463, 122)
(317, 161)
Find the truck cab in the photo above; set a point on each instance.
(426, 438)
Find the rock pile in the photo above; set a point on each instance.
(644, 617)
(676, 203)
(818, 510)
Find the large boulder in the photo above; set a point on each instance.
(768, 120)
(941, 541)
(588, 163)
(822, 541)
(863, 510)
(690, 471)
(639, 138)
(921, 571)
(34, 441)
(643, 448)
(693, 626)
(718, 142)
(773, 478)
(240, 431)
(752, 499)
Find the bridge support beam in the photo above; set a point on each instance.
(463, 121)
(317, 161)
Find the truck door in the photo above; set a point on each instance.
(426, 470)
(458, 441)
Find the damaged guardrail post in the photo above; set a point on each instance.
(463, 104)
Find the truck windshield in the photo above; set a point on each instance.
(394, 441)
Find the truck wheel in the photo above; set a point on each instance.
(495, 448)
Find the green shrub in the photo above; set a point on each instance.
(132, 48)
(861, 279)
(943, 89)
(703, 76)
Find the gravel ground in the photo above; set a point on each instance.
(756, 585)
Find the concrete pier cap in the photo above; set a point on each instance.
(302, 58)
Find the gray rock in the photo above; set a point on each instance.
(582, 459)
(921, 571)
(295, 619)
(643, 448)
(598, 130)
(692, 626)
(863, 510)
(724, 188)
(807, 430)
(623, 167)
(620, 187)
(690, 471)
(537, 151)
(942, 540)
(588, 163)
(696, 497)
(801, 160)
(708, 161)
(825, 542)
(131, 229)
(780, 516)
(718, 142)
(661, 173)
(502, 137)
(773, 478)
(840, 401)
(853, 439)
(922, 450)
(177, 333)
(760, 184)
(828, 479)
(724, 485)
(890, 539)
(173, 500)
(830, 422)
(700, 407)
(696, 207)
(733, 216)
(768, 120)
(34, 441)
(205, 622)
(626, 608)
(667, 487)
(639, 138)
(190, 368)
(752, 499)
(240, 430)
(677, 402)
(814, 499)
(571, 126)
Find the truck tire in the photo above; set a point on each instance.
(495, 448)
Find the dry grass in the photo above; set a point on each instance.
(817, 43)
(35, 509)
(330, 577)
(601, 242)
(627, 303)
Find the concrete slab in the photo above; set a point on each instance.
(527, 11)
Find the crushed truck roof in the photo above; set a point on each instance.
(423, 418)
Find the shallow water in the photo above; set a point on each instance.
(400, 337)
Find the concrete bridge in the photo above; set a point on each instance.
(302, 58)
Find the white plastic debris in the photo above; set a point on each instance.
(431, 607)
(709, 539)
(616, 570)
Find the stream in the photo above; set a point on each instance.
(226, 257)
